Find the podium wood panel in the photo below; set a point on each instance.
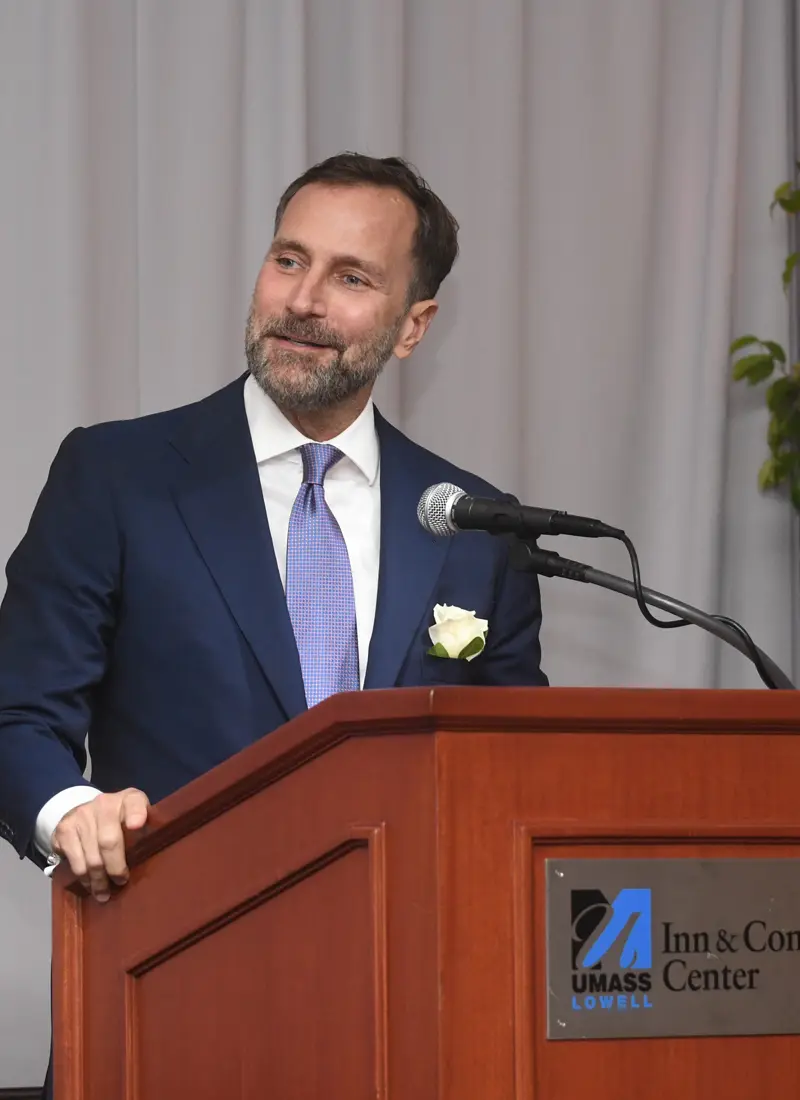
(305, 1027)
(283, 901)
(580, 795)
(354, 906)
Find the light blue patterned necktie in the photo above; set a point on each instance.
(319, 584)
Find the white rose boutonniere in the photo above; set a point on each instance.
(457, 633)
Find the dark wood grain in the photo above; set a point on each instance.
(353, 907)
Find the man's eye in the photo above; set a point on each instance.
(353, 280)
(286, 262)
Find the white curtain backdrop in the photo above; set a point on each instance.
(611, 163)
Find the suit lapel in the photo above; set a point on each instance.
(218, 494)
(410, 559)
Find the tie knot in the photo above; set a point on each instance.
(317, 460)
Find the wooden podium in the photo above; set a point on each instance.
(353, 907)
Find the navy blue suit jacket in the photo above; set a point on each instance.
(144, 606)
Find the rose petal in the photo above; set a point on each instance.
(448, 613)
(451, 642)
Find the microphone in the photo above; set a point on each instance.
(444, 510)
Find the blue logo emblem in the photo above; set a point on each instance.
(612, 950)
(630, 923)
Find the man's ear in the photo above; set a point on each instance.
(414, 327)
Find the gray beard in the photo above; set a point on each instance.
(303, 383)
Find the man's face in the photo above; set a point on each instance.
(330, 304)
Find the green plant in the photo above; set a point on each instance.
(766, 358)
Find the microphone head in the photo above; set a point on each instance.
(435, 504)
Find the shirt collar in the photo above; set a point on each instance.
(273, 435)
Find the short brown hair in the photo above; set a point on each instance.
(435, 244)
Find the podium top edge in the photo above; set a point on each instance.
(458, 710)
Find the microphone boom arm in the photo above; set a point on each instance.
(532, 559)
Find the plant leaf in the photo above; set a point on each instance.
(788, 270)
(742, 342)
(785, 464)
(760, 373)
(781, 192)
(475, 647)
(776, 434)
(755, 368)
(438, 651)
(768, 475)
(775, 350)
(781, 394)
(791, 204)
(791, 427)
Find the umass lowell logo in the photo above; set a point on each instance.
(612, 950)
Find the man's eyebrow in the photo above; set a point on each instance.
(375, 270)
(281, 244)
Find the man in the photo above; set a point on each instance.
(192, 580)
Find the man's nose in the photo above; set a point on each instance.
(307, 298)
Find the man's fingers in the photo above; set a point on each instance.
(110, 838)
(75, 839)
(95, 861)
(67, 844)
(135, 805)
(92, 838)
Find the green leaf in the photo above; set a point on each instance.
(768, 475)
(781, 395)
(775, 350)
(793, 425)
(785, 464)
(761, 373)
(755, 368)
(776, 434)
(788, 270)
(742, 342)
(781, 192)
(438, 651)
(475, 647)
(790, 432)
(781, 467)
(791, 204)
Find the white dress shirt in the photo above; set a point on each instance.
(353, 493)
(352, 490)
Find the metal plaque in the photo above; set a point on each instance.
(660, 947)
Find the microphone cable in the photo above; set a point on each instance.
(671, 624)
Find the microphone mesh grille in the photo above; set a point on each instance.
(433, 510)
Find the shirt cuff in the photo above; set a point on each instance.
(50, 815)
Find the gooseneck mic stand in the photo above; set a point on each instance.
(528, 557)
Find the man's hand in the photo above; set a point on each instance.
(92, 838)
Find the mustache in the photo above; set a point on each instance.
(307, 330)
